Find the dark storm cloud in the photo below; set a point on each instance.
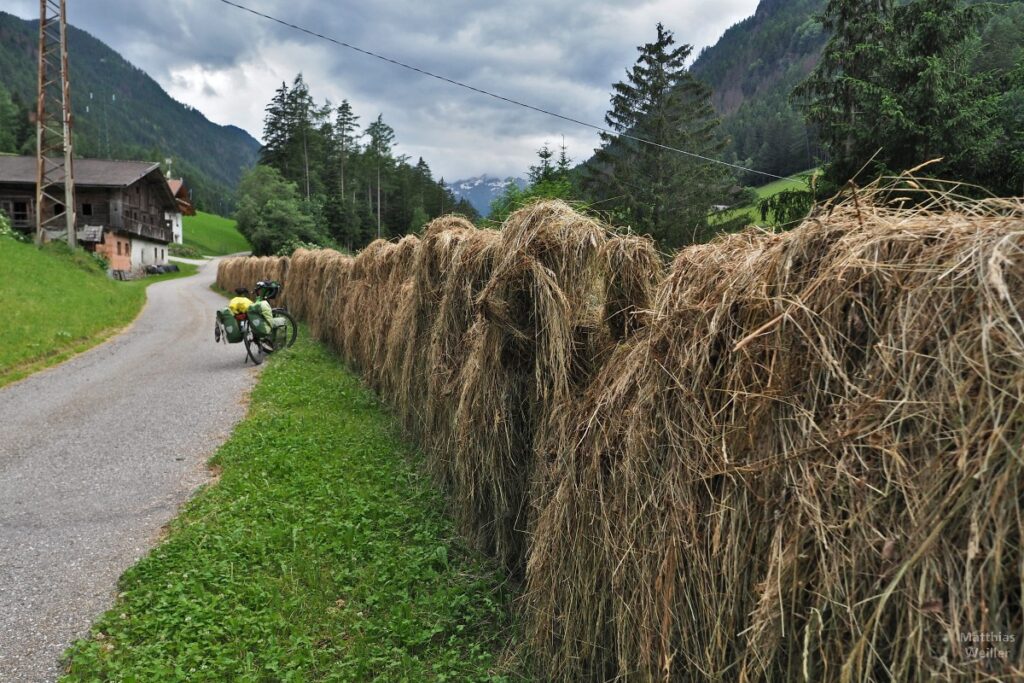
(555, 54)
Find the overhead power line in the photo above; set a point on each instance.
(496, 96)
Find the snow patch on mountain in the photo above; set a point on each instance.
(482, 190)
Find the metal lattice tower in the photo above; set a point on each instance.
(55, 184)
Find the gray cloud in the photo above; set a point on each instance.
(556, 54)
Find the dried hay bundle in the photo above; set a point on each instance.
(807, 467)
(301, 264)
(226, 273)
(633, 269)
(366, 273)
(280, 274)
(330, 278)
(379, 301)
(472, 262)
(523, 360)
(408, 343)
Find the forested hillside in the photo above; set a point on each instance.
(120, 112)
(325, 179)
(757, 63)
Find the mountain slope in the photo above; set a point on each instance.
(128, 114)
(752, 69)
(482, 190)
(776, 47)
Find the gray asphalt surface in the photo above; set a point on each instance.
(96, 455)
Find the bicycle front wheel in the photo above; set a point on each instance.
(285, 335)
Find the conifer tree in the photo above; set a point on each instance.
(544, 171)
(347, 189)
(653, 189)
(895, 88)
(346, 127)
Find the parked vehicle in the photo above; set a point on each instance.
(262, 328)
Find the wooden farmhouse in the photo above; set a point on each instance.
(125, 209)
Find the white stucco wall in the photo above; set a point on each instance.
(176, 225)
(147, 253)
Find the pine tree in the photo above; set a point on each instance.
(895, 88)
(657, 190)
(346, 127)
(545, 170)
(347, 189)
(382, 138)
(276, 130)
(564, 164)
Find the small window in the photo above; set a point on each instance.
(86, 209)
(19, 212)
(118, 248)
(155, 257)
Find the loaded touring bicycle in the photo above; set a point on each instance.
(262, 328)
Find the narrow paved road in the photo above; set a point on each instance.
(96, 455)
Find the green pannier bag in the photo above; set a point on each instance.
(231, 327)
(258, 315)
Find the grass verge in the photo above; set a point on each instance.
(213, 235)
(321, 554)
(61, 303)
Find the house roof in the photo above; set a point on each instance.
(88, 172)
(181, 194)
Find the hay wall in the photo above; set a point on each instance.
(790, 457)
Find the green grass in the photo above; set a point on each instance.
(213, 235)
(751, 211)
(322, 554)
(60, 303)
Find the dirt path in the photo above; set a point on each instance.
(96, 455)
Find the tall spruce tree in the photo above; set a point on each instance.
(277, 130)
(656, 190)
(346, 135)
(895, 88)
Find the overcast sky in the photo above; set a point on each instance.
(561, 55)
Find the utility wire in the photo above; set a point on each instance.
(496, 96)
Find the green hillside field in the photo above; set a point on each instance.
(798, 182)
(213, 235)
(61, 303)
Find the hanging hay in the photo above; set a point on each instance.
(472, 262)
(299, 272)
(409, 341)
(395, 268)
(361, 318)
(807, 467)
(312, 288)
(792, 457)
(330, 276)
(522, 355)
(280, 274)
(633, 269)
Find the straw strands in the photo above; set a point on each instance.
(792, 457)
